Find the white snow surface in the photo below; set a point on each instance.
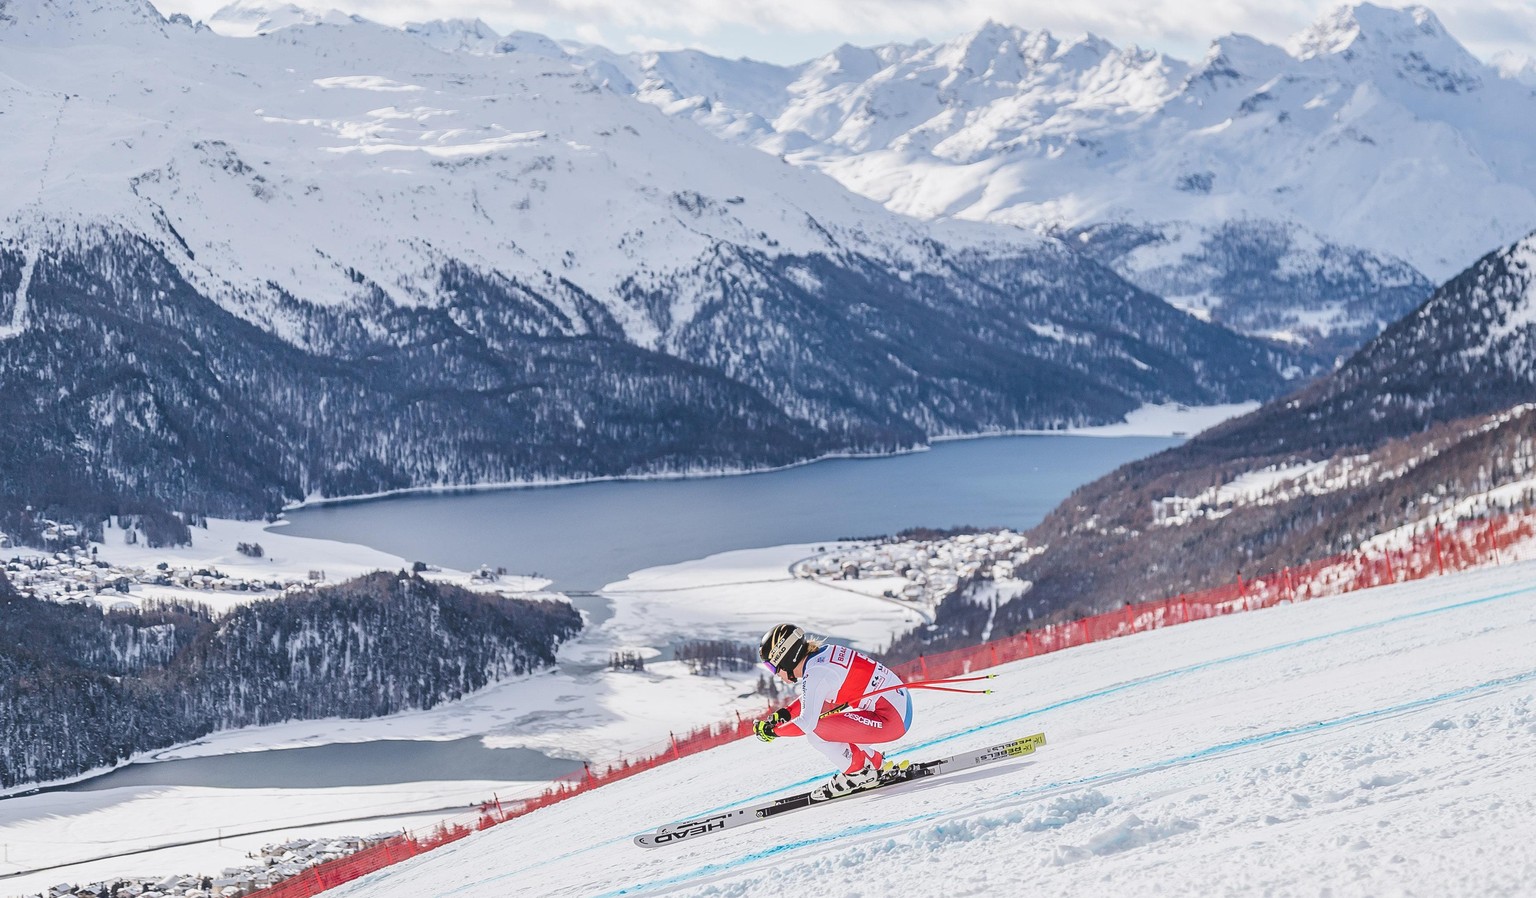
(1374, 128)
(341, 161)
(1368, 744)
(1358, 745)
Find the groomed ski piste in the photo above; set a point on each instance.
(1376, 743)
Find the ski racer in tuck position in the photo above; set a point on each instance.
(833, 708)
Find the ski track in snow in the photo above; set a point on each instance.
(1010, 802)
(1025, 796)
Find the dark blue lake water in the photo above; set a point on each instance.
(585, 536)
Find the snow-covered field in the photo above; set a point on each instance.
(1371, 744)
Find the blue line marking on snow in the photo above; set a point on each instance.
(1241, 656)
(1100, 693)
(1146, 681)
(1178, 760)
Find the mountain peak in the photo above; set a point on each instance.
(979, 48)
(1350, 30)
(991, 32)
(1004, 54)
(843, 64)
(52, 22)
(533, 44)
(248, 18)
(1237, 58)
(455, 35)
(994, 53)
(1409, 43)
(1089, 50)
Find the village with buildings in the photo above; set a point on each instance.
(920, 572)
(78, 576)
(95, 576)
(271, 865)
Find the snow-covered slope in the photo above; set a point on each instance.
(1437, 408)
(371, 258)
(1374, 132)
(1374, 128)
(1360, 745)
(251, 153)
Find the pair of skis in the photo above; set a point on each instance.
(677, 833)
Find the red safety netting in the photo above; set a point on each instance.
(1428, 553)
(1437, 551)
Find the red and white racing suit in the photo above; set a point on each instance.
(836, 675)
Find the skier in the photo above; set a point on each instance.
(835, 678)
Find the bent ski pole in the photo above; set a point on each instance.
(935, 685)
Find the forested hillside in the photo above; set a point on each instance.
(1440, 407)
(80, 691)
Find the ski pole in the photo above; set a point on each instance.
(935, 685)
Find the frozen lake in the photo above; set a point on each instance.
(342, 764)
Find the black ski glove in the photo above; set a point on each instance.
(765, 728)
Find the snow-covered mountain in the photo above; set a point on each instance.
(245, 18)
(1295, 192)
(1439, 407)
(340, 258)
(1469, 350)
